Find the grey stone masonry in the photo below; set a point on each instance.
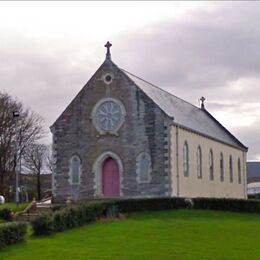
(145, 129)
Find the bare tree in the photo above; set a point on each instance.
(49, 159)
(16, 133)
(35, 156)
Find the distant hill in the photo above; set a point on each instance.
(253, 172)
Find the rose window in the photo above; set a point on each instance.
(108, 115)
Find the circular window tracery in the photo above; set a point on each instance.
(107, 78)
(108, 115)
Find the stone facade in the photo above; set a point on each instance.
(144, 129)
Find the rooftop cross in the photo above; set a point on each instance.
(108, 54)
(202, 99)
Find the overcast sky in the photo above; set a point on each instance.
(49, 50)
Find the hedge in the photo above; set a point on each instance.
(6, 214)
(150, 204)
(80, 214)
(254, 196)
(237, 205)
(12, 233)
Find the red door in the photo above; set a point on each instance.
(110, 178)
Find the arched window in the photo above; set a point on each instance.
(221, 164)
(143, 163)
(75, 170)
(186, 159)
(211, 166)
(230, 169)
(239, 170)
(199, 163)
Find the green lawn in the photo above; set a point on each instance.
(14, 207)
(180, 234)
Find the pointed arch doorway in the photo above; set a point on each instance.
(110, 178)
(102, 169)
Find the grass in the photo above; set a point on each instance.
(180, 234)
(14, 207)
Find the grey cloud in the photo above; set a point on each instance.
(202, 51)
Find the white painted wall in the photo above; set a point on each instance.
(192, 186)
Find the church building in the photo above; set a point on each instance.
(122, 136)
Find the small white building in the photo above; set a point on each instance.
(253, 188)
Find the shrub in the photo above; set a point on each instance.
(94, 211)
(78, 215)
(67, 218)
(42, 224)
(59, 221)
(6, 214)
(12, 233)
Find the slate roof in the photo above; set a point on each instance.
(186, 114)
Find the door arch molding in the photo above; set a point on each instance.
(97, 170)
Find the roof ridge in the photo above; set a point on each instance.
(159, 88)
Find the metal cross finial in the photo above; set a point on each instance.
(202, 99)
(108, 54)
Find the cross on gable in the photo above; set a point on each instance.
(202, 99)
(108, 45)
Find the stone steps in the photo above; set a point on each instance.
(33, 210)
